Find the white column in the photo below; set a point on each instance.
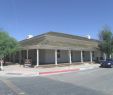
(1, 64)
(70, 61)
(81, 56)
(91, 57)
(37, 57)
(56, 57)
(110, 56)
(104, 56)
(27, 53)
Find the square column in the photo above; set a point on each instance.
(56, 57)
(110, 56)
(70, 61)
(1, 65)
(91, 60)
(81, 56)
(104, 56)
(37, 64)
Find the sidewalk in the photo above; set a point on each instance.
(20, 71)
(69, 68)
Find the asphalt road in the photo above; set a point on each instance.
(89, 82)
(4, 90)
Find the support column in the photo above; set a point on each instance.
(91, 60)
(104, 56)
(70, 61)
(110, 56)
(81, 56)
(37, 57)
(27, 54)
(56, 57)
(1, 65)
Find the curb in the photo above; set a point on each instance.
(18, 75)
(65, 71)
(46, 73)
(58, 71)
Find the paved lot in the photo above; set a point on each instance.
(89, 82)
(4, 90)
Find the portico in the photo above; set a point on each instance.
(55, 56)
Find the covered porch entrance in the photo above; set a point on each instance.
(56, 56)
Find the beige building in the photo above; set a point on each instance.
(57, 48)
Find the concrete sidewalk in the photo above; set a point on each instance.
(64, 69)
(20, 71)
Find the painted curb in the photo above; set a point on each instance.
(48, 73)
(65, 71)
(58, 71)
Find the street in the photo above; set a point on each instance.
(90, 82)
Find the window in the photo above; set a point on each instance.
(58, 53)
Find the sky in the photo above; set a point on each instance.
(77, 17)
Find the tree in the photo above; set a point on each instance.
(8, 44)
(106, 41)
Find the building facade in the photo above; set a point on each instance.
(57, 48)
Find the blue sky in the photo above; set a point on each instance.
(78, 17)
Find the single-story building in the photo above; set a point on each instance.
(57, 48)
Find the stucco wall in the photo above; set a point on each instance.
(64, 57)
(46, 56)
(86, 56)
(76, 56)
